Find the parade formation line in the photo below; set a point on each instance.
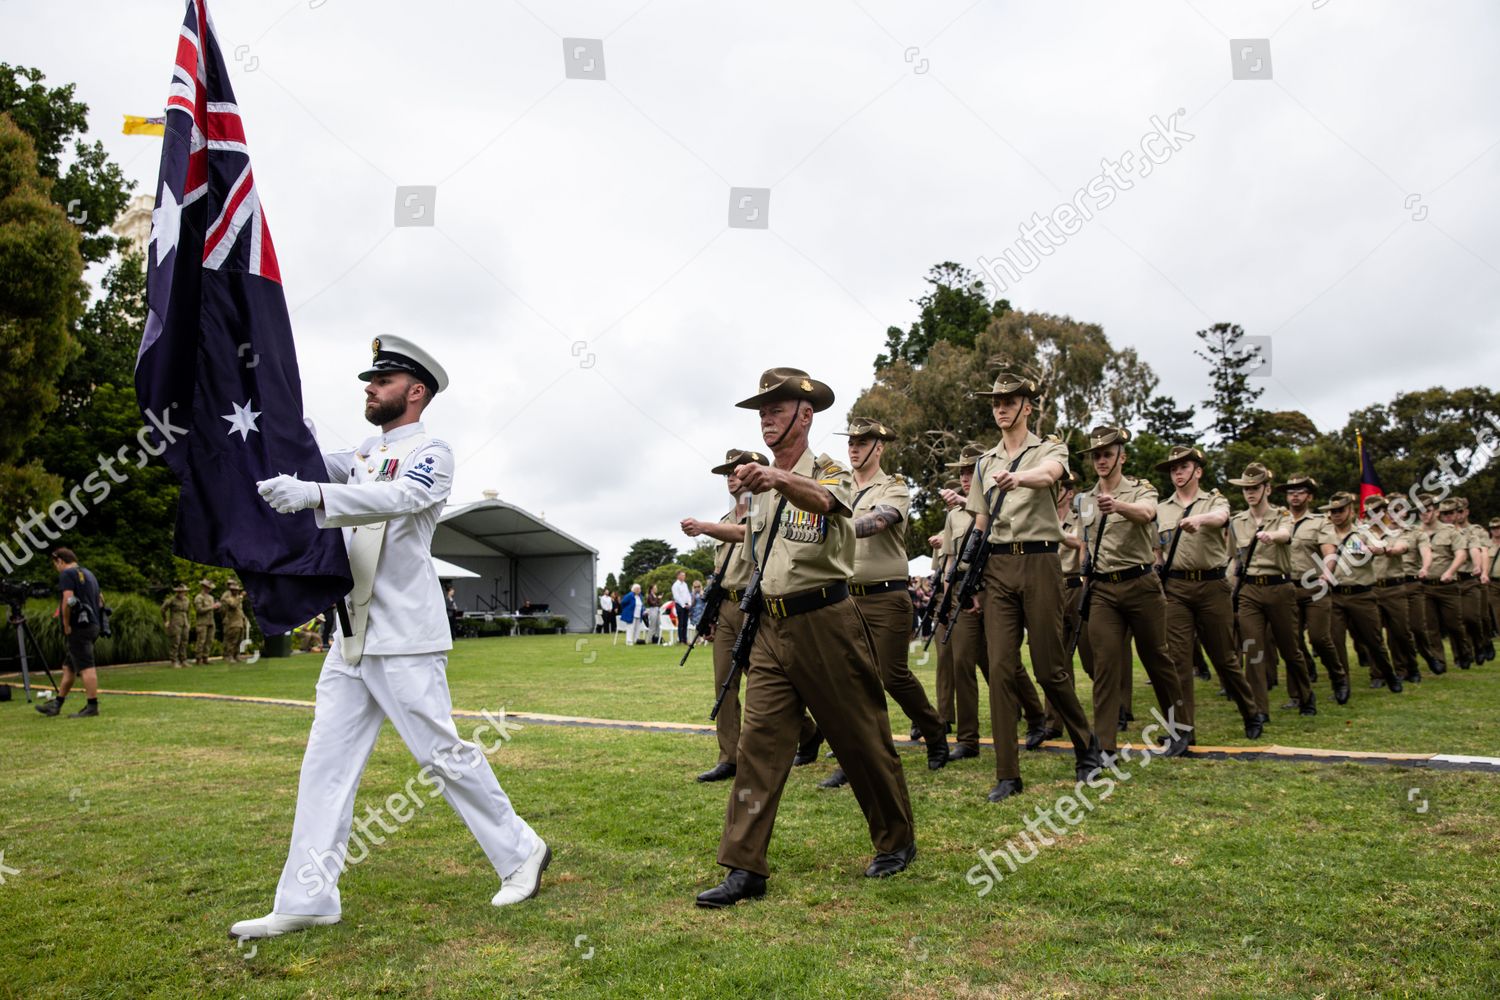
(1274, 751)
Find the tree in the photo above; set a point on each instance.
(1232, 362)
(664, 576)
(1165, 421)
(1280, 429)
(610, 583)
(109, 335)
(644, 556)
(92, 191)
(956, 310)
(701, 559)
(42, 295)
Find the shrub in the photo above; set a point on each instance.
(135, 624)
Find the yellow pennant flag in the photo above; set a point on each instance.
(137, 125)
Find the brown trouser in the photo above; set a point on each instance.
(177, 636)
(1270, 610)
(1140, 606)
(1416, 617)
(966, 648)
(1392, 601)
(1072, 596)
(888, 616)
(1491, 607)
(1199, 610)
(205, 643)
(1471, 592)
(822, 660)
(1315, 617)
(944, 671)
(1445, 618)
(1359, 615)
(1024, 593)
(727, 721)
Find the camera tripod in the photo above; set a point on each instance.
(23, 636)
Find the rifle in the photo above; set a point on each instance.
(1086, 598)
(945, 607)
(976, 550)
(751, 605)
(713, 597)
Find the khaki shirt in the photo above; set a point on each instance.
(1123, 543)
(1389, 567)
(1445, 543)
(1269, 560)
(955, 529)
(1416, 544)
(809, 550)
(203, 604)
(1306, 555)
(1072, 559)
(232, 605)
(1027, 515)
(1207, 548)
(1494, 561)
(882, 556)
(737, 572)
(1354, 563)
(1478, 538)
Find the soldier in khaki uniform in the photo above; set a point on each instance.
(1493, 572)
(1416, 558)
(733, 571)
(966, 647)
(1127, 592)
(1473, 579)
(232, 603)
(880, 585)
(174, 621)
(1349, 553)
(1391, 591)
(1193, 547)
(1314, 603)
(204, 607)
(1262, 535)
(1015, 503)
(1439, 581)
(812, 651)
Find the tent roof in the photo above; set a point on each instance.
(494, 527)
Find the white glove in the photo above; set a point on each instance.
(288, 494)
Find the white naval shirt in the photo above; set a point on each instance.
(406, 608)
(681, 594)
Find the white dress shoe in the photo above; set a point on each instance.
(276, 924)
(524, 882)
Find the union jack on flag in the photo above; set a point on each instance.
(216, 376)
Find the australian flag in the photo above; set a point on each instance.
(217, 376)
(1369, 482)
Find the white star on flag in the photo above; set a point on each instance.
(242, 419)
(166, 221)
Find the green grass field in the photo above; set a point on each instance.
(137, 837)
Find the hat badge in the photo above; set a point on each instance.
(375, 346)
(805, 385)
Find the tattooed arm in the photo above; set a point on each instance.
(878, 520)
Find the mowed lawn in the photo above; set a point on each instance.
(600, 677)
(136, 838)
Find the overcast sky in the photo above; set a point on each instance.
(598, 315)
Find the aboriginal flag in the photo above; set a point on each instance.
(216, 376)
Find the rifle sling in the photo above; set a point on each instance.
(1166, 567)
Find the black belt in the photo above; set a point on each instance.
(1352, 588)
(861, 589)
(1468, 576)
(1074, 581)
(1021, 548)
(1439, 582)
(1267, 580)
(733, 595)
(808, 600)
(1394, 581)
(1412, 578)
(1122, 575)
(1196, 575)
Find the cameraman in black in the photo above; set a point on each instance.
(81, 616)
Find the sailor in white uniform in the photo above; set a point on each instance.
(387, 497)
